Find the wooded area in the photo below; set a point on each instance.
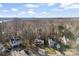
(50, 35)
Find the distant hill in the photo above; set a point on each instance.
(62, 18)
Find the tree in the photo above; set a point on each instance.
(0, 32)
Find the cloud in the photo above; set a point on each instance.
(44, 12)
(38, 1)
(9, 15)
(51, 4)
(22, 13)
(69, 5)
(56, 10)
(65, 4)
(5, 10)
(31, 5)
(30, 11)
(1, 5)
(14, 9)
(73, 6)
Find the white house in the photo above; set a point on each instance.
(2, 48)
(15, 41)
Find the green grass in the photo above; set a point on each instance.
(4, 53)
(50, 51)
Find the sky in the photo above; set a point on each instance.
(39, 10)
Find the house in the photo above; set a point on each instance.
(15, 41)
(53, 43)
(39, 41)
(56, 44)
(77, 40)
(2, 48)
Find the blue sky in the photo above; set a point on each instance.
(42, 10)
